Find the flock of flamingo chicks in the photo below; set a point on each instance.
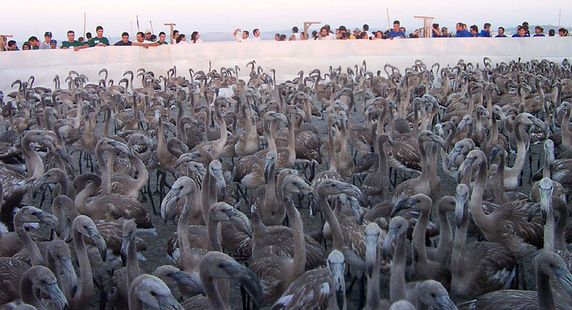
(432, 188)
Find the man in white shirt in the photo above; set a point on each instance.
(324, 34)
(240, 36)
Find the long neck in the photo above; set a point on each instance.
(332, 151)
(133, 270)
(221, 142)
(86, 277)
(214, 231)
(459, 246)
(561, 224)
(291, 141)
(397, 277)
(31, 246)
(335, 227)
(106, 123)
(549, 225)
(33, 161)
(208, 195)
(513, 172)
(212, 292)
(445, 235)
(545, 297)
(297, 228)
(142, 173)
(419, 236)
(483, 221)
(372, 297)
(188, 261)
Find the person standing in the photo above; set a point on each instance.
(500, 33)
(240, 36)
(34, 43)
(294, 35)
(396, 31)
(72, 43)
(474, 31)
(538, 32)
(195, 38)
(520, 33)
(142, 42)
(256, 34)
(99, 39)
(45, 45)
(162, 38)
(324, 34)
(124, 40)
(462, 31)
(486, 32)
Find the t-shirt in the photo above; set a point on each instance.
(67, 44)
(121, 43)
(485, 34)
(517, 36)
(162, 43)
(44, 46)
(398, 34)
(95, 40)
(464, 34)
(500, 36)
(539, 35)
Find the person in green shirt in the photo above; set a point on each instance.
(99, 39)
(162, 37)
(72, 42)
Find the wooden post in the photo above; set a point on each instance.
(427, 25)
(171, 28)
(307, 26)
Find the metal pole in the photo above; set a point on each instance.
(84, 23)
(387, 12)
(137, 17)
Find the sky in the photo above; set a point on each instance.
(33, 17)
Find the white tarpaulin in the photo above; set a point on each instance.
(287, 58)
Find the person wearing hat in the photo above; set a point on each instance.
(45, 45)
(356, 34)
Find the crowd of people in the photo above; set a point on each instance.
(148, 39)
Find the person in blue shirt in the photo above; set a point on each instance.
(474, 30)
(538, 32)
(501, 33)
(462, 31)
(486, 32)
(396, 32)
(520, 33)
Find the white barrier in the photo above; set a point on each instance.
(288, 58)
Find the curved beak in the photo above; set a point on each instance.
(241, 220)
(565, 278)
(370, 253)
(404, 203)
(459, 211)
(192, 281)
(57, 298)
(388, 241)
(268, 167)
(251, 283)
(169, 302)
(99, 242)
(445, 303)
(168, 204)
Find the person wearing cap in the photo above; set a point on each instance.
(99, 39)
(72, 43)
(45, 45)
(356, 34)
(148, 35)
